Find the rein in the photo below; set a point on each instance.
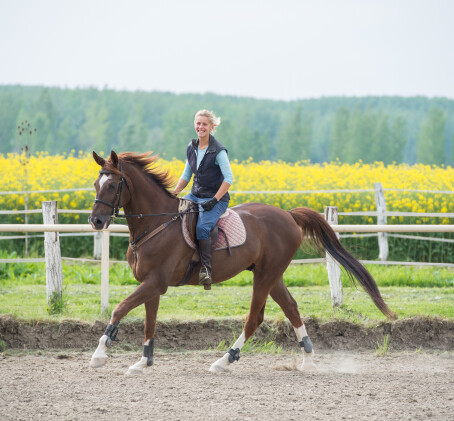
(116, 205)
(142, 215)
(116, 208)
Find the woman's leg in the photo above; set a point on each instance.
(206, 222)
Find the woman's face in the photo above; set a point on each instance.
(202, 126)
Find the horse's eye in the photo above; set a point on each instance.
(111, 186)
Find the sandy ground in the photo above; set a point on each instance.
(59, 385)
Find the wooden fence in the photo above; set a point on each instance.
(53, 257)
(381, 214)
(101, 239)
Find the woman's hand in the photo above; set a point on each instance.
(209, 204)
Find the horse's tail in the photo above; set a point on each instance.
(324, 238)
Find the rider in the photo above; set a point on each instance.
(207, 159)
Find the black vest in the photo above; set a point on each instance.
(208, 177)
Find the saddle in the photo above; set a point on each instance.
(229, 232)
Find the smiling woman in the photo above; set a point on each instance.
(207, 160)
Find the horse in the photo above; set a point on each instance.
(159, 256)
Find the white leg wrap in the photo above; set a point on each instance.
(300, 332)
(240, 341)
(99, 357)
(308, 363)
(221, 365)
(138, 367)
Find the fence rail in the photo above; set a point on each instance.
(124, 228)
(250, 191)
(67, 228)
(358, 213)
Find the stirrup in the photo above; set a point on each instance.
(205, 278)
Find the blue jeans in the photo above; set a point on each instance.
(207, 220)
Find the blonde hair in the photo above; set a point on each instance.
(211, 116)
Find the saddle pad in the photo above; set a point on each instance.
(230, 223)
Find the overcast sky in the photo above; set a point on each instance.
(283, 49)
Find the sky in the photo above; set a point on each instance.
(281, 50)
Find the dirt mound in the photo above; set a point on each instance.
(411, 333)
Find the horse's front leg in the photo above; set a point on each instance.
(144, 292)
(151, 311)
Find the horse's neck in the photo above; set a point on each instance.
(148, 198)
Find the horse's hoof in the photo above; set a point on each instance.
(97, 362)
(216, 368)
(307, 366)
(135, 371)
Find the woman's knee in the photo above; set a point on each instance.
(202, 233)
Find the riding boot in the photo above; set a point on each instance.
(205, 259)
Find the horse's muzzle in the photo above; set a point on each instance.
(99, 222)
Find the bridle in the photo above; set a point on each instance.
(116, 205)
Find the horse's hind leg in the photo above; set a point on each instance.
(253, 321)
(282, 296)
(151, 311)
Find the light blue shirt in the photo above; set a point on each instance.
(221, 159)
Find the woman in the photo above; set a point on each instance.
(207, 160)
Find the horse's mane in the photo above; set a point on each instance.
(145, 162)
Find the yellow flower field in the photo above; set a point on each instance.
(45, 172)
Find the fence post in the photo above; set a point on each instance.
(26, 222)
(97, 245)
(54, 273)
(332, 267)
(105, 271)
(381, 220)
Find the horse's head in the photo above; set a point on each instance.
(110, 192)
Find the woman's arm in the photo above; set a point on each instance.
(184, 180)
(222, 190)
(224, 164)
(182, 183)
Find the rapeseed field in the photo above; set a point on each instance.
(46, 172)
(277, 183)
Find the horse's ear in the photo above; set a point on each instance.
(100, 161)
(114, 158)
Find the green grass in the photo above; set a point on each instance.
(409, 291)
(82, 301)
(298, 275)
(382, 349)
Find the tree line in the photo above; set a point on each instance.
(387, 129)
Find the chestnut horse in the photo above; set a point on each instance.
(159, 256)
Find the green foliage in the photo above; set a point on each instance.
(56, 304)
(294, 141)
(382, 349)
(431, 141)
(368, 128)
(2, 345)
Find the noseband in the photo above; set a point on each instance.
(116, 205)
